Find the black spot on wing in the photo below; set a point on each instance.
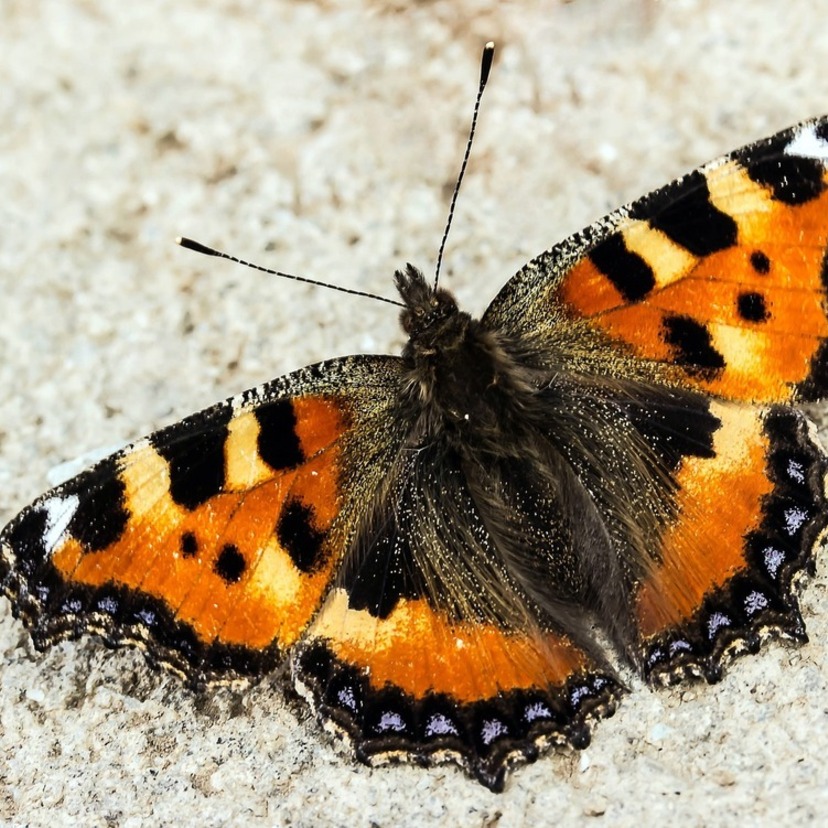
(230, 564)
(628, 272)
(760, 262)
(189, 545)
(299, 537)
(751, 306)
(279, 444)
(194, 450)
(101, 516)
(692, 346)
(426, 539)
(823, 272)
(815, 387)
(387, 573)
(676, 425)
(684, 213)
(791, 179)
(25, 537)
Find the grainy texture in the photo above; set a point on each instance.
(321, 138)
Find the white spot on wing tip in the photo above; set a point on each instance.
(59, 513)
(807, 144)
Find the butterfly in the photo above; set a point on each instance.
(431, 540)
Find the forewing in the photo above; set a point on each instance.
(716, 282)
(212, 542)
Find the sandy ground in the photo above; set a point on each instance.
(322, 138)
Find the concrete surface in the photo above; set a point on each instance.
(322, 138)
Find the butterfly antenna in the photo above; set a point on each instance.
(485, 68)
(190, 244)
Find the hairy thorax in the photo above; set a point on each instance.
(461, 381)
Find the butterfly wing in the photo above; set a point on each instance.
(293, 519)
(430, 648)
(212, 542)
(714, 286)
(716, 282)
(749, 518)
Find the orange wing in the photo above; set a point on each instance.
(718, 280)
(429, 646)
(420, 685)
(749, 519)
(212, 542)
(716, 285)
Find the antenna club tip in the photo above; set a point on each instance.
(486, 62)
(198, 247)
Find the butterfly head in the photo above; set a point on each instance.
(428, 312)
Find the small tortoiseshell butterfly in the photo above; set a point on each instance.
(429, 539)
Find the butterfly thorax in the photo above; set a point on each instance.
(460, 379)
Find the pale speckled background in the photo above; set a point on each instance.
(321, 138)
